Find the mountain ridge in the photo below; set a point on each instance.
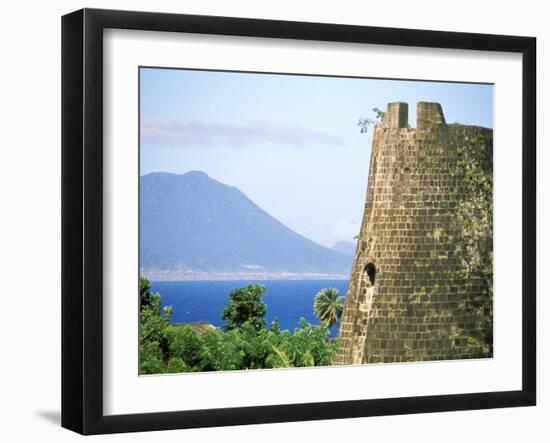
(195, 227)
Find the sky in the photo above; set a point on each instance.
(289, 142)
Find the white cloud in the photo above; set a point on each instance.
(181, 133)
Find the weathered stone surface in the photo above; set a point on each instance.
(406, 300)
(429, 114)
(397, 115)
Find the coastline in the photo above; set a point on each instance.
(155, 275)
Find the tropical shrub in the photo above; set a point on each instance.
(244, 344)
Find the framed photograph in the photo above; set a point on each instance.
(268, 221)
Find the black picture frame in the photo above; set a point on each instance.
(82, 215)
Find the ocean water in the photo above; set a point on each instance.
(288, 300)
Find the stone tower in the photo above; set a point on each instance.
(421, 281)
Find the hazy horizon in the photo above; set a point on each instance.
(290, 143)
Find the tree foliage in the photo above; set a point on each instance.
(153, 321)
(328, 306)
(244, 344)
(245, 305)
(144, 292)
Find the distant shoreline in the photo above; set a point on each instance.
(195, 276)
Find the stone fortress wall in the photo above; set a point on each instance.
(413, 295)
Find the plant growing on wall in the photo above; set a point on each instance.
(475, 220)
(365, 123)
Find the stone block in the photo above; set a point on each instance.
(397, 115)
(428, 115)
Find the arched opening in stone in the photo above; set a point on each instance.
(371, 272)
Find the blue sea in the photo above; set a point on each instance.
(288, 300)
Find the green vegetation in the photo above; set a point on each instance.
(365, 123)
(475, 216)
(328, 306)
(473, 224)
(245, 305)
(379, 114)
(245, 342)
(153, 319)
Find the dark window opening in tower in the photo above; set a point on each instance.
(371, 272)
